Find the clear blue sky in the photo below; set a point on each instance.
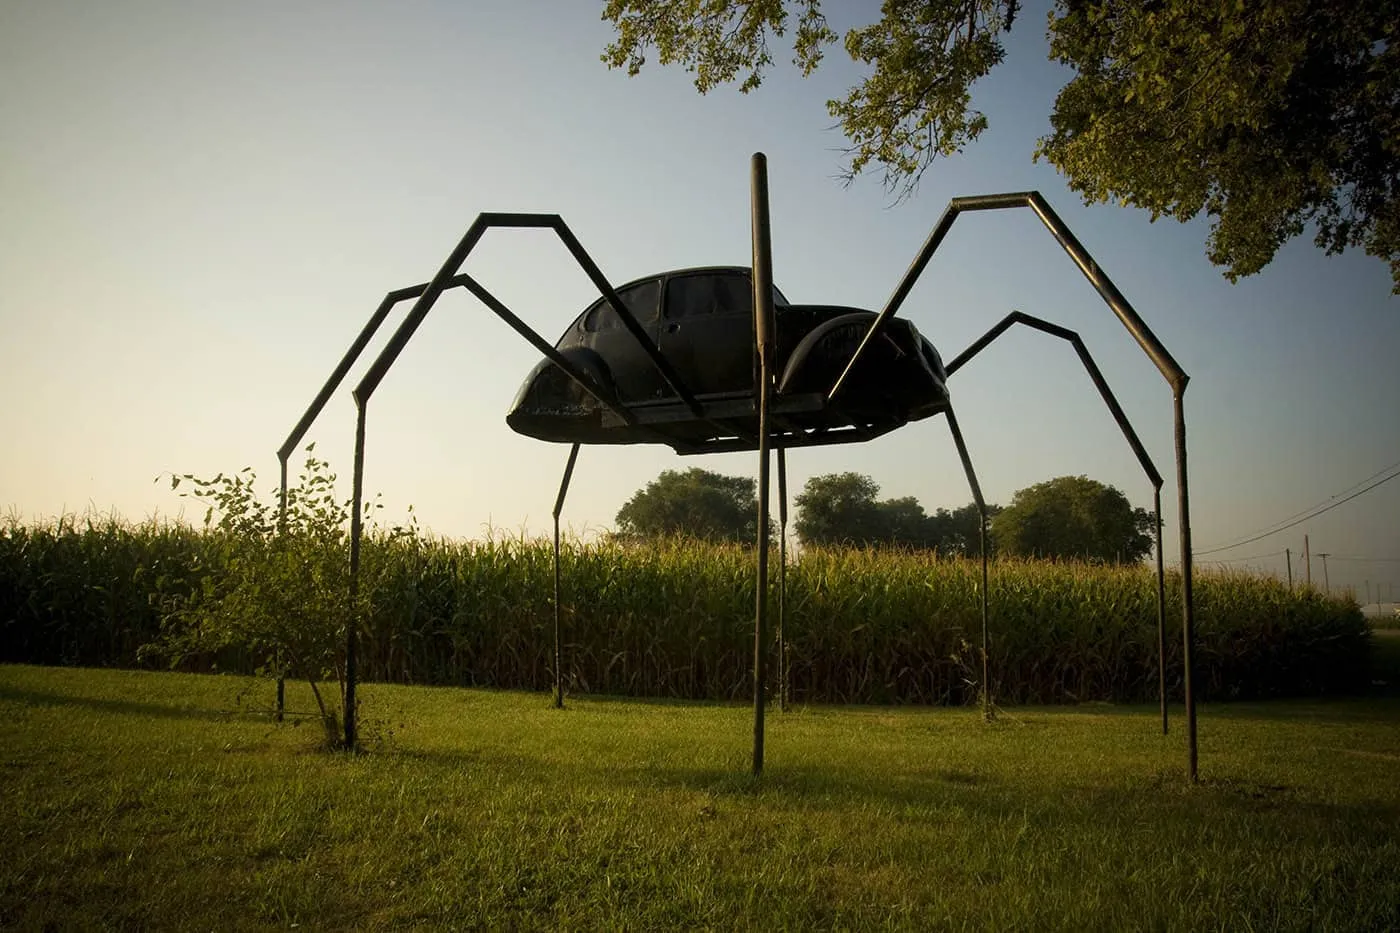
(202, 203)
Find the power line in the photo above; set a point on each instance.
(1298, 521)
(1373, 476)
(1239, 560)
(1319, 504)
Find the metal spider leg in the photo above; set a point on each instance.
(1124, 425)
(558, 642)
(982, 550)
(366, 334)
(447, 277)
(313, 411)
(1173, 373)
(1120, 306)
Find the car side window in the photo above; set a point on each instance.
(639, 299)
(706, 295)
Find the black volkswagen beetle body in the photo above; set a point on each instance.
(701, 322)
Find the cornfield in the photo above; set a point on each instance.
(674, 618)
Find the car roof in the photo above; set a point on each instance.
(689, 270)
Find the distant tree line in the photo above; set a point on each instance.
(1071, 517)
(844, 509)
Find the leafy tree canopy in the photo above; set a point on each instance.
(1074, 518)
(842, 509)
(696, 503)
(1266, 115)
(957, 532)
(838, 508)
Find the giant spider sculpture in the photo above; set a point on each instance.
(716, 359)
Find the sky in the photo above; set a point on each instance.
(203, 203)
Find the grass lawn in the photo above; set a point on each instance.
(139, 800)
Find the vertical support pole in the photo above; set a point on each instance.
(1188, 612)
(986, 638)
(356, 532)
(1307, 562)
(280, 712)
(784, 689)
(1161, 611)
(558, 637)
(763, 330)
(1288, 559)
(982, 546)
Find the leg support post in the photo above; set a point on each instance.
(1188, 615)
(982, 547)
(558, 637)
(1161, 611)
(280, 712)
(352, 621)
(763, 331)
(784, 687)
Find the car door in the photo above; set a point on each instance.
(706, 330)
(632, 371)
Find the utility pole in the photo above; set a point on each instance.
(1307, 561)
(1368, 592)
(1288, 556)
(1325, 582)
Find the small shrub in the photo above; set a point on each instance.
(277, 589)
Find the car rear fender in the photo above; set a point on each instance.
(830, 342)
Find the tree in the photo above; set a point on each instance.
(839, 508)
(1266, 116)
(1074, 518)
(904, 522)
(958, 532)
(842, 509)
(696, 503)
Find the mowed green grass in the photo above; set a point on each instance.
(145, 800)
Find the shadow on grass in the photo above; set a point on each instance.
(1330, 710)
(1256, 814)
(136, 708)
(585, 700)
(807, 788)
